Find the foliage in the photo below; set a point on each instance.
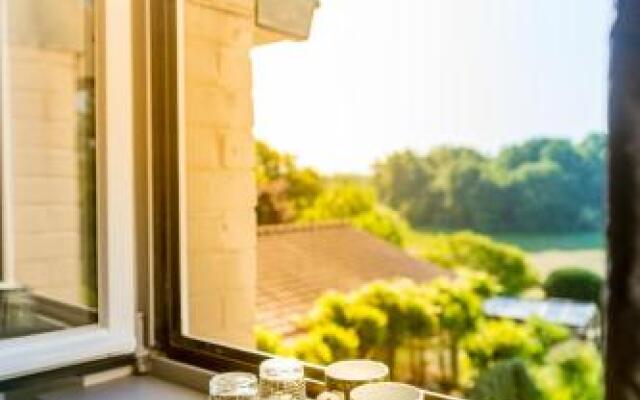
(359, 205)
(284, 189)
(342, 342)
(542, 185)
(506, 380)
(383, 223)
(288, 193)
(547, 334)
(573, 372)
(267, 341)
(508, 264)
(313, 349)
(499, 341)
(400, 320)
(574, 283)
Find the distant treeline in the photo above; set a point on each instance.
(542, 185)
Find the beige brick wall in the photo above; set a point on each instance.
(47, 60)
(220, 189)
(46, 171)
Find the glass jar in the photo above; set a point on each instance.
(233, 386)
(282, 379)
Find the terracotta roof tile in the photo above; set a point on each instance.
(298, 263)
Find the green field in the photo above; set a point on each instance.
(546, 251)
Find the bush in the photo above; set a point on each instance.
(359, 205)
(498, 341)
(383, 223)
(466, 249)
(506, 380)
(573, 372)
(574, 283)
(267, 341)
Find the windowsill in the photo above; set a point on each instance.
(131, 388)
(167, 379)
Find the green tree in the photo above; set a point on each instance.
(267, 341)
(311, 348)
(542, 185)
(506, 380)
(460, 310)
(574, 283)
(284, 189)
(342, 342)
(573, 371)
(359, 205)
(546, 334)
(367, 322)
(499, 341)
(465, 249)
(390, 300)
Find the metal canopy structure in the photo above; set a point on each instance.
(558, 311)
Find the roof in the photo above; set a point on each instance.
(559, 311)
(299, 263)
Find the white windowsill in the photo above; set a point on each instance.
(31, 354)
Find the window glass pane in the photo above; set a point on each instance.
(425, 190)
(49, 167)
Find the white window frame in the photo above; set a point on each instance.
(114, 334)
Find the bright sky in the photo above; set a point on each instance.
(383, 75)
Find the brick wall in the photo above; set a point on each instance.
(46, 63)
(46, 170)
(220, 189)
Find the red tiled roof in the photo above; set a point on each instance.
(298, 263)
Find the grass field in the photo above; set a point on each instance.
(547, 252)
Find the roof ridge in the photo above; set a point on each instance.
(275, 229)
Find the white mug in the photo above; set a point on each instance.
(344, 376)
(386, 391)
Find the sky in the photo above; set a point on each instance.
(377, 76)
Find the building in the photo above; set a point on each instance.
(298, 263)
(581, 318)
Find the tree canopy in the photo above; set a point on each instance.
(506, 263)
(542, 185)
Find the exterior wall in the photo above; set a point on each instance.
(44, 69)
(47, 223)
(220, 188)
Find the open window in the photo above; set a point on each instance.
(66, 288)
(208, 240)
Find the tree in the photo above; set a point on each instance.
(312, 349)
(342, 342)
(542, 185)
(368, 323)
(284, 189)
(574, 283)
(499, 341)
(465, 249)
(389, 299)
(460, 310)
(573, 371)
(506, 380)
(358, 205)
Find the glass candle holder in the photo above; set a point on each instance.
(233, 386)
(282, 379)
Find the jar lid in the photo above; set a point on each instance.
(281, 369)
(233, 384)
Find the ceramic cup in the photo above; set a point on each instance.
(344, 376)
(386, 391)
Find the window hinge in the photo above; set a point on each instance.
(142, 352)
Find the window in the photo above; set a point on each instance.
(66, 293)
(210, 252)
(50, 263)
